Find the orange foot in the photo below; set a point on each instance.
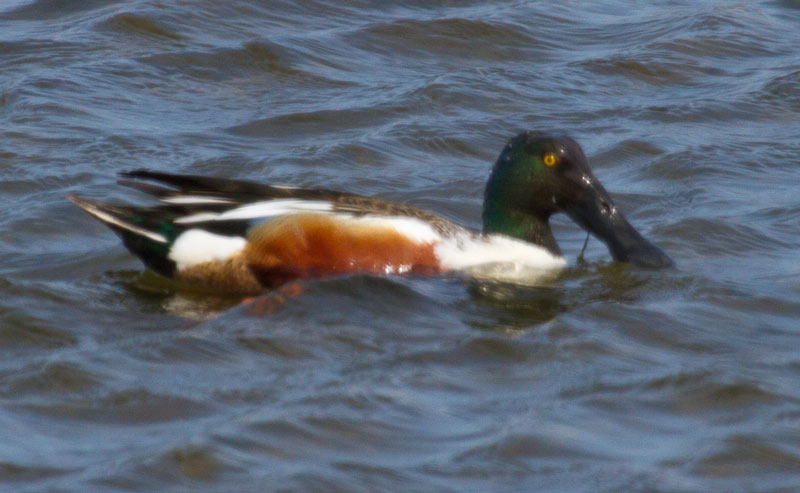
(268, 303)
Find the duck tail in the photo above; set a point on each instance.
(149, 245)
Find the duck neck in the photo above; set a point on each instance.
(510, 221)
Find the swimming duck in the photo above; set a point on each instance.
(244, 237)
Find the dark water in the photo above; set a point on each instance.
(612, 379)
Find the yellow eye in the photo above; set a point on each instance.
(550, 159)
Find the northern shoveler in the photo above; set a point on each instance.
(244, 237)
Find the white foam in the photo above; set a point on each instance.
(196, 246)
(265, 209)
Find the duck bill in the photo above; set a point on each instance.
(596, 213)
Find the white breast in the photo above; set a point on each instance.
(498, 257)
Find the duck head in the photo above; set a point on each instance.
(538, 175)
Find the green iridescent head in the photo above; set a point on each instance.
(540, 174)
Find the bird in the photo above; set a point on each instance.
(243, 237)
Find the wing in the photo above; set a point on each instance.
(231, 206)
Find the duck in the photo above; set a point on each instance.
(244, 237)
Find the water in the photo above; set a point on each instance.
(611, 379)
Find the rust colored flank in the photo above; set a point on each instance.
(315, 245)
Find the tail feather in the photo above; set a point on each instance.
(114, 217)
(150, 246)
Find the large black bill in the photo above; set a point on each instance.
(596, 213)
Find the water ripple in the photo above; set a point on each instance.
(609, 378)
